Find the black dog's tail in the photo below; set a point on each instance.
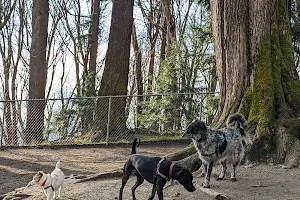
(135, 144)
(241, 124)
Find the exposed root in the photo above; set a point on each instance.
(77, 176)
(199, 173)
(293, 157)
(212, 193)
(100, 176)
(179, 155)
(251, 165)
(14, 196)
(192, 163)
(288, 166)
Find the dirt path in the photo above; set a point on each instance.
(18, 165)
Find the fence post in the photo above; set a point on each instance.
(108, 120)
(201, 108)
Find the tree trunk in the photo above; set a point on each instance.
(138, 70)
(115, 76)
(87, 119)
(257, 76)
(253, 47)
(38, 72)
(93, 42)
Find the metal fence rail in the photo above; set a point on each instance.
(101, 119)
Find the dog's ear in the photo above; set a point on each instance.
(202, 127)
(199, 126)
(177, 171)
(40, 174)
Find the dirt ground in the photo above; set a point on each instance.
(17, 166)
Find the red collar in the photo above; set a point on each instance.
(44, 183)
(171, 170)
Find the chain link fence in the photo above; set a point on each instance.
(104, 119)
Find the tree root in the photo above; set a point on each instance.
(192, 163)
(293, 156)
(179, 155)
(101, 176)
(14, 196)
(251, 165)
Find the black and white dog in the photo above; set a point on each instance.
(155, 170)
(219, 145)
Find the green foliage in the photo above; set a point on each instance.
(204, 2)
(295, 27)
(89, 89)
(187, 69)
(63, 120)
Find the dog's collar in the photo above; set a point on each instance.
(43, 184)
(170, 170)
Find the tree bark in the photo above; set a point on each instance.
(38, 72)
(257, 76)
(93, 42)
(253, 47)
(115, 76)
(138, 70)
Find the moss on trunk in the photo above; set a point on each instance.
(271, 97)
(275, 97)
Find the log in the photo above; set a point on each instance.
(14, 196)
(212, 193)
(183, 153)
(192, 163)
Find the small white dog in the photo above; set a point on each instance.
(51, 183)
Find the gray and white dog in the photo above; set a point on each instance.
(219, 145)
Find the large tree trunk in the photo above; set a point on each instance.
(38, 72)
(254, 58)
(253, 47)
(115, 76)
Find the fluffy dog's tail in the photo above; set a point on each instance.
(241, 124)
(58, 164)
(135, 144)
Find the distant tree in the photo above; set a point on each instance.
(137, 68)
(93, 45)
(6, 10)
(187, 57)
(152, 13)
(38, 72)
(10, 64)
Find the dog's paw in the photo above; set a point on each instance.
(204, 185)
(233, 179)
(220, 178)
